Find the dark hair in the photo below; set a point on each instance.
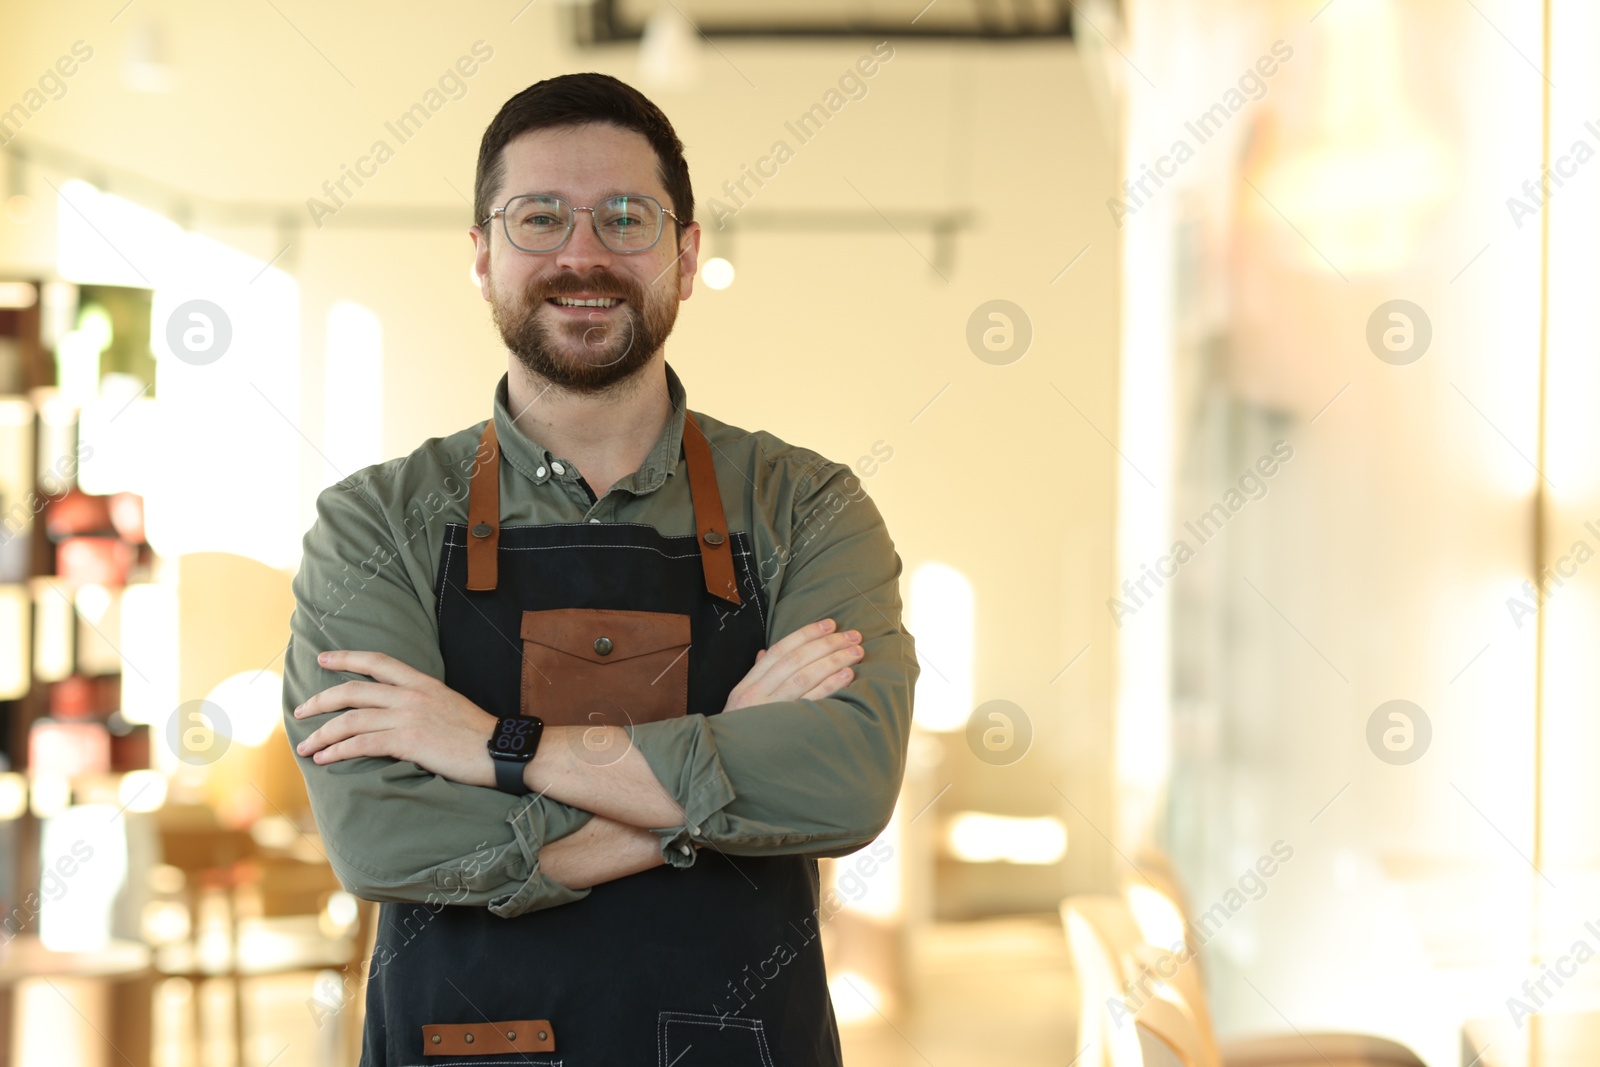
(575, 100)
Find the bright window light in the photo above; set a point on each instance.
(225, 328)
(352, 419)
(978, 837)
(149, 643)
(83, 863)
(13, 795)
(941, 612)
(253, 703)
(142, 791)
(855, 998)
(871, 881)
(16, 641)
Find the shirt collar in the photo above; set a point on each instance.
(538, 464)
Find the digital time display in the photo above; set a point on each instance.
(515, 734)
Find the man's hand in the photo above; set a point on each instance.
(803, 666)
(401, 713)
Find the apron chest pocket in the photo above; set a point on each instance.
(601, 667)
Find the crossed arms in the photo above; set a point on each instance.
(398, 775)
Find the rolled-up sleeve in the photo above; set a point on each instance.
(813, 777)
(391, 830)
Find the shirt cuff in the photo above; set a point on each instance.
(683, 756)
(535, 825)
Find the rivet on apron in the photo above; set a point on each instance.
(543, 1034)
(713, 538)
(511, 1035)
(483, 529)
(435, 1039)
(602, 645)
(470, 1039)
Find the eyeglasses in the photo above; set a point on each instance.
(542, 222)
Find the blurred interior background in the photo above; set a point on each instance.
(1220, 368)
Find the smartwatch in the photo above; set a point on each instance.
(511, 746)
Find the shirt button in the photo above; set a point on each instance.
(539, 473)
(694, 831)
(684, 849)
(594, 520)
(558, 468)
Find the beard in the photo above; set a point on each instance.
(590, 356)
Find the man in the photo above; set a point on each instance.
(593, 576)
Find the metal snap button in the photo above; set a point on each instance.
(435, 1039)
(543, 1034)
(470, 1039)
(713, 538)
(511, 1035)
(483, 529)
(602, 645)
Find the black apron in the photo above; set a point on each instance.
(716, 964)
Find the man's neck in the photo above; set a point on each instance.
(607, 435)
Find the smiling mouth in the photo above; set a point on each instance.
(600, 303)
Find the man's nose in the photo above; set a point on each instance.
(584, 248)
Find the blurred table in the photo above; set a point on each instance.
(90, 1008)
(25, 957)
(1569, 1040)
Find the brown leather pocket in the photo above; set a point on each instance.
(599, 667)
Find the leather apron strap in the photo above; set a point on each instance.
(483, 516)
(711, 522)
(716, 551)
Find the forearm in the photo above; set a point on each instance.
(578, 765)
(601, 851)
(815, 777)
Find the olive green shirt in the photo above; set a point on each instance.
(813, 777)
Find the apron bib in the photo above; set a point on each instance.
(715, 965)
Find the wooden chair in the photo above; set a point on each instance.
(1142, 1004)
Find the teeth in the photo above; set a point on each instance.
(597, 302)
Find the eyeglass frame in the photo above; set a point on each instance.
(572, 223)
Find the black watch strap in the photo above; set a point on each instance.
(508, 776)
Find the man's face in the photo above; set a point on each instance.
(584, 349)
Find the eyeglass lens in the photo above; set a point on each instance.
(541, 223)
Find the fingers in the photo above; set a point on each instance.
(375, 665)
(347, 695)
(810, 675)
(805, 655)
(831, 685)
(802, 662)
(351, 724)
(350, 748)
(798, 641)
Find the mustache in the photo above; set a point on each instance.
(598, 281)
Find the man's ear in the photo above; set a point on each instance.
(480, 258)
(688, 260)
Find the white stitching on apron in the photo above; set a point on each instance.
(755, 1026)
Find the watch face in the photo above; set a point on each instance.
(514, 737)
